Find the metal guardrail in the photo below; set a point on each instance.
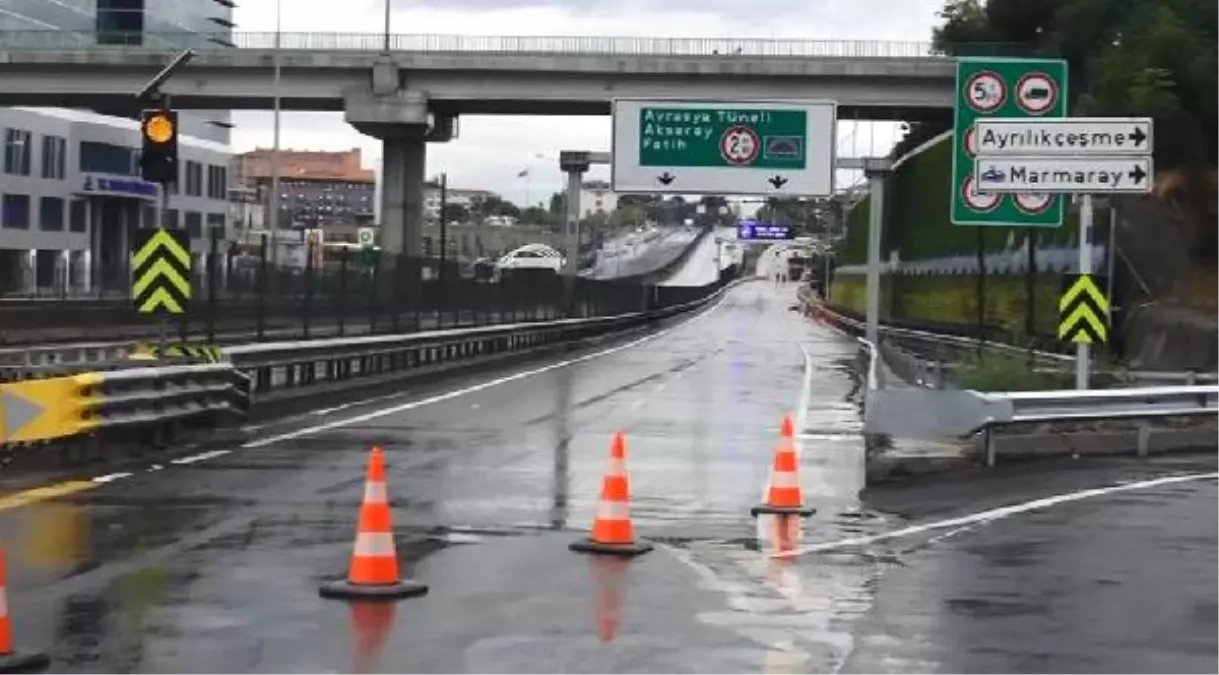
(919, 412)
(931, 372)
(157, 400)
(494, 44)
(283, 370)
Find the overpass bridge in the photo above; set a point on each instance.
(409, 90)
(478, 75)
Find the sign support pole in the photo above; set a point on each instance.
(875, 169)
(1083, 350)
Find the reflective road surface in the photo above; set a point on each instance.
(211, 562)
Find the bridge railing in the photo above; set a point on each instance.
(496, 44)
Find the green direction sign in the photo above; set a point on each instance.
(722, 137)
(1003, 88)
(774, 148)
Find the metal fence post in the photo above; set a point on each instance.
(307, 300)
(212, 268)
(342, 300)
(373, 276)
(261, 308)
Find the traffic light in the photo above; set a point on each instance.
(159, 157)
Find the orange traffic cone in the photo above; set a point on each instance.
(11, 660)
(784, 496)
(373, 574)
(613, 532)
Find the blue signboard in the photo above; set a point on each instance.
(119, 186)
(753, 230)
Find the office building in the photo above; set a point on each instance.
(71, 198)
(179, 23)
(596, 196)
(318, 190)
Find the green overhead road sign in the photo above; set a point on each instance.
(727, 137)
(778, 148)
(989, 88)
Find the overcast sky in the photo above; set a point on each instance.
(493, 150)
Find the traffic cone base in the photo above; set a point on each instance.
(637, 547)
(23, 662)
(373, 572)
(613, 533)
(343, 589)
(767, 509)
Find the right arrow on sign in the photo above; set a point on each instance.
(777, 181)
(1137, 136)
(1137, 174)
(666, 178)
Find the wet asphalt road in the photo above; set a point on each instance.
(213, 565)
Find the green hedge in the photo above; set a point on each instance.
(953, 299)
(917, 222)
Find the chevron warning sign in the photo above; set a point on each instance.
(160, 265)
(1083, 311)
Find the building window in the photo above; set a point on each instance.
(76, 215)
(194, 179)
(54, 156)
(17, 153)
(50, 214)
(120, 22)
(215, 226)
(15, 212)
(172, 221)
(194, 224)
(217, 182)
(107, 158)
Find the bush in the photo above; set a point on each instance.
(1003, 371)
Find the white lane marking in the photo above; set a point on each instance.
(439, 398)
(111, 477)
(806, 395)
(996, 513)
(200, 457)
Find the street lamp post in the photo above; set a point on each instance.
(275, 88)
(387, 5)
(444, 224)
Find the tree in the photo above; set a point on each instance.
(628, 214)
(536, 215)
(456, 213)
(558, 204)
(1154, 58)
(1147, 57)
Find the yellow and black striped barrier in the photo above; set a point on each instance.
(179, 352)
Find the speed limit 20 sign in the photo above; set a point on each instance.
(1003, 88)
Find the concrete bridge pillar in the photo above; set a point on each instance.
(575, 164)
(400, 118)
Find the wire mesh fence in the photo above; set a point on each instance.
(238, 294)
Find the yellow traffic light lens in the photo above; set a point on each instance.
(159, 129)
